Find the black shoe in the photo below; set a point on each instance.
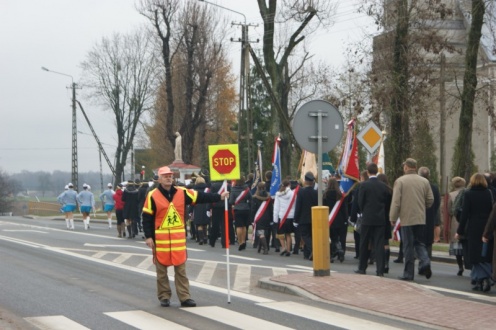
(283, 253)
(188, 303)
(460, 272)
(296, 252)
(165, 302)
(398, 261)
(427, 272)
(359, 271)
(386, 270)
(287, 254)
(277, 250)
(341, 256)
(200, 242)
(402, 278)
(477, 287)
(486, 285)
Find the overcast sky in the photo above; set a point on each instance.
(35, 105)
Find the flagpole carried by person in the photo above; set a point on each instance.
(348, 168)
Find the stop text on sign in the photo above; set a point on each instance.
(224, 162)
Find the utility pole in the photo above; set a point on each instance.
(74, 170)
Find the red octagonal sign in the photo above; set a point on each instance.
(224, 161)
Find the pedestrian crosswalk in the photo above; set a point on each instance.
(218, 318)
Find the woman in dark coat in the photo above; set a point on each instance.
(201, 213)
(488, 238)
(332, 196)
(477, 205)
(261, 216)
(131, 208)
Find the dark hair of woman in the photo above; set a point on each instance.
(333, 188)
(383, 178)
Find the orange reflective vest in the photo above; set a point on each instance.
(170, 232)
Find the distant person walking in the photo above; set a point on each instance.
(68, 199)
(107, 198)
(306, 198)
(458, 184)
(86, 202)
(412, 195)
(119, 211)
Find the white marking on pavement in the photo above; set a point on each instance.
(123, 257)
(234, 319)
(147, 263)
(207, 272)
(25, 231)
(117, 245)
(279, 271)
(242, 278)
(20, 241)
(325, 316)
(57, 322)
(99, 254)
(462, 293)
(143, 320)
(243, 258)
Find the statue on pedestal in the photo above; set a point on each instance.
(178, 151)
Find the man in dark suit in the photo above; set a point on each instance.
(372, 199)
(431, 213)
(306, 198)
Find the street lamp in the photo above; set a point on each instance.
(243, 83)
(74, 173)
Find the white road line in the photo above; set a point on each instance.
(99, 254)
(143, 320)
(117, 245)
(58, 322)
(20, 241)
(242, 278)
(234, 319)
(147, 263)
(25, 231)
(207, 272)
(121, 258)
(462, 293)
(325, 316)
(241, 257)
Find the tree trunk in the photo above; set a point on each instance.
(463, 158)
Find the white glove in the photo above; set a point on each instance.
(209, 214)
(295, 224)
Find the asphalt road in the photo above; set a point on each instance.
(98, 281)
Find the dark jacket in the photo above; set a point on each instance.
(199, 211)
(341, 219)
(431, 214)
(477, 206)
(256, 202)
(244, 204)
(306, 198)
(131, 207)
(372, 199)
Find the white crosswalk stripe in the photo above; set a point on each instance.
(324, 316)
(143, 320)
(57, 322)
(207, 272)
(234, 319)
(146, 321)
(242, 278)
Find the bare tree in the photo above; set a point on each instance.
(463, 158)
(121, 74)
(191, 55)
(305, 16)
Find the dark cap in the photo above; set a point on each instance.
(309, 177)
(410, 162)
(155, 178)
(137, 181)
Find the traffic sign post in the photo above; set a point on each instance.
(224, 165)
(318, 127)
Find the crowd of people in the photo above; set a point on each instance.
(409, 210)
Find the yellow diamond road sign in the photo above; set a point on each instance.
(370, 136)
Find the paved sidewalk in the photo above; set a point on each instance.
(395, 298)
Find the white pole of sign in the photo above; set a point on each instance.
(227, 242)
